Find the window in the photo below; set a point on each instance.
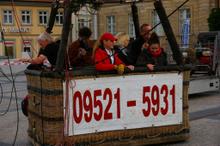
(184, 16)
(9, 49)
(84, 22)
(111, 24)
(7, 17)
(59, 18)
(26, 45)
(26, 49)
(131, 30)
(184, 27)
(26, 17)
(156, 20)
(43, 17)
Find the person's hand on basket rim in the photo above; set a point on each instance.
(130, 67)
(150, 67)
(25, 60)
(120, 68)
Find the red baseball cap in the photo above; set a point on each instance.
(108, 36)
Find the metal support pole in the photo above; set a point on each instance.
(135, 19)
(217, 3)
(53, 13)
(177, 55)
(64, 37)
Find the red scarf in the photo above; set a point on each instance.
(155, 54)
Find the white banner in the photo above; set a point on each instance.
(123, 102)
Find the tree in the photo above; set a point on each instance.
(214, 20)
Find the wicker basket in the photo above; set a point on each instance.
(46, 118)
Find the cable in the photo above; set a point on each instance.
(67, 113)
(5, 76)
(13, 89)
(1, 93)
(3, 39)
(170, 14)
(18, 22)
(41, 106)
(16, 100)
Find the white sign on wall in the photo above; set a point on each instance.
(123, 102)
(16, 30)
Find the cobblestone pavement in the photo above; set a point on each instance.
(204, 117)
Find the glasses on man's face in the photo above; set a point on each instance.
(146, 34)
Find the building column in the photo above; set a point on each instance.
(95, 27)
(74, 27)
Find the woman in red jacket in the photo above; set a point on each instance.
(105, 57)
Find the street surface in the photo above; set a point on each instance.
(204, 116)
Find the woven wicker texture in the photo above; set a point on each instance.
(46, 119)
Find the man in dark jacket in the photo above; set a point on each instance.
(134, 48)
(49, 50)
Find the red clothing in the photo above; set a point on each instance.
(204, 59)
(103, 61)
(156, 53)
(73, 54)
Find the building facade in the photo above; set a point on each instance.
(187, 22)
(21, 22)
(86, 17)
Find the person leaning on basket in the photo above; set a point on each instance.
(120, 47)
(134, 48)
(80, 51)
(49, 50)
(153, 55)
(105, 57)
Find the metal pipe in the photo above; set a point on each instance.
(53, 13)
(64, 37)
(135, 18)
(217, 3)
(177, 55)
